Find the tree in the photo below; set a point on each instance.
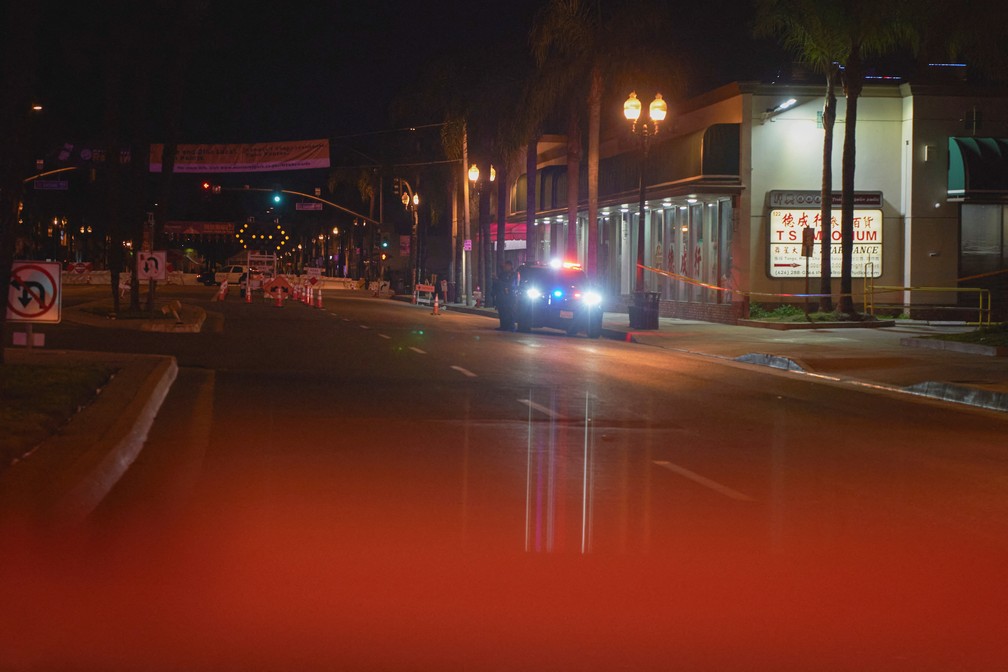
(807, 29)
(20, 44)
(835, 37)
(870, 28)
(581, 53)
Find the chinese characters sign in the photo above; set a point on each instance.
(785, 254)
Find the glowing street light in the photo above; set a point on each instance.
(644, 129)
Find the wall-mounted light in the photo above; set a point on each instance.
(771, 111)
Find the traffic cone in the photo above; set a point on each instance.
(437, 307)
(278, 297)
(414, 296)
(318, 298)
(248, 292)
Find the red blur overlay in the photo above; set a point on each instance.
(288, 589)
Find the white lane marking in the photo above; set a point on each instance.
(464, 372)
(542, 409)
(385, 336)
(417, 350)
(704, 481)
(363, 326)
(346, 319)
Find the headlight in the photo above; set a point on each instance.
(533, 293)
(591, 298)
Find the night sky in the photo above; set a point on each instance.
(276, 71)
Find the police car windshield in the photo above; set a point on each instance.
(544, 274)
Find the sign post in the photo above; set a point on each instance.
(807, 245)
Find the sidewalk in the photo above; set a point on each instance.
(899, 358)
(70, 473)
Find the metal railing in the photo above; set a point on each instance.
(982, 307)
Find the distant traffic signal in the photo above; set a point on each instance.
(396, 186)
(385, 241)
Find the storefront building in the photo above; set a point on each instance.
(735, 175)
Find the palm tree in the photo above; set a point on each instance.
(871, 28)
(824, 34)
(807, 29)
(579, 50)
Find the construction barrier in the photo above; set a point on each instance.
(424, 294)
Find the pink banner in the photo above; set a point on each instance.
(247, 158)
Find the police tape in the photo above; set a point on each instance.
(729, 290)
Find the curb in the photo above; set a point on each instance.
(954, 346)
(67, 476)
(960, 394)
(787, 326)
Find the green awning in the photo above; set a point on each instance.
(978, 169)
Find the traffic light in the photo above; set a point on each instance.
(385, 241)
(277, 196)
(396, 186)
(210, 187)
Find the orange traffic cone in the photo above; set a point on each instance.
(278, 296)
(318, 298)
(437, 307)
(248, 292)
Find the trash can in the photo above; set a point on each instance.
(644, 310)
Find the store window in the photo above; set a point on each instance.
(984, 232)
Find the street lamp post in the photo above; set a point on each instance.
(411, 201)
(643, 129)
(484, 265)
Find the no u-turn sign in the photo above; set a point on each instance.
(34, 294)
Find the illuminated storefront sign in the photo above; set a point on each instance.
(785, 244)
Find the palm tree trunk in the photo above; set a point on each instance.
(826, 195)
(485, 272)
(531, 179)
(503, 206)
(573, 180)
(852, 89)
(594, 124)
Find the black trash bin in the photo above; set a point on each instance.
(644, 310)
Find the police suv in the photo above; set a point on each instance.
(557, 296)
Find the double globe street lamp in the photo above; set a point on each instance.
(640, 311)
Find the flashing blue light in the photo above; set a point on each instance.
(558, 293)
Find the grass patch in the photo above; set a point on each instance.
(36, 401)
(125, 312)
(791, 313)
(995, 336)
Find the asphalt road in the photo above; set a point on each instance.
(368, 486)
